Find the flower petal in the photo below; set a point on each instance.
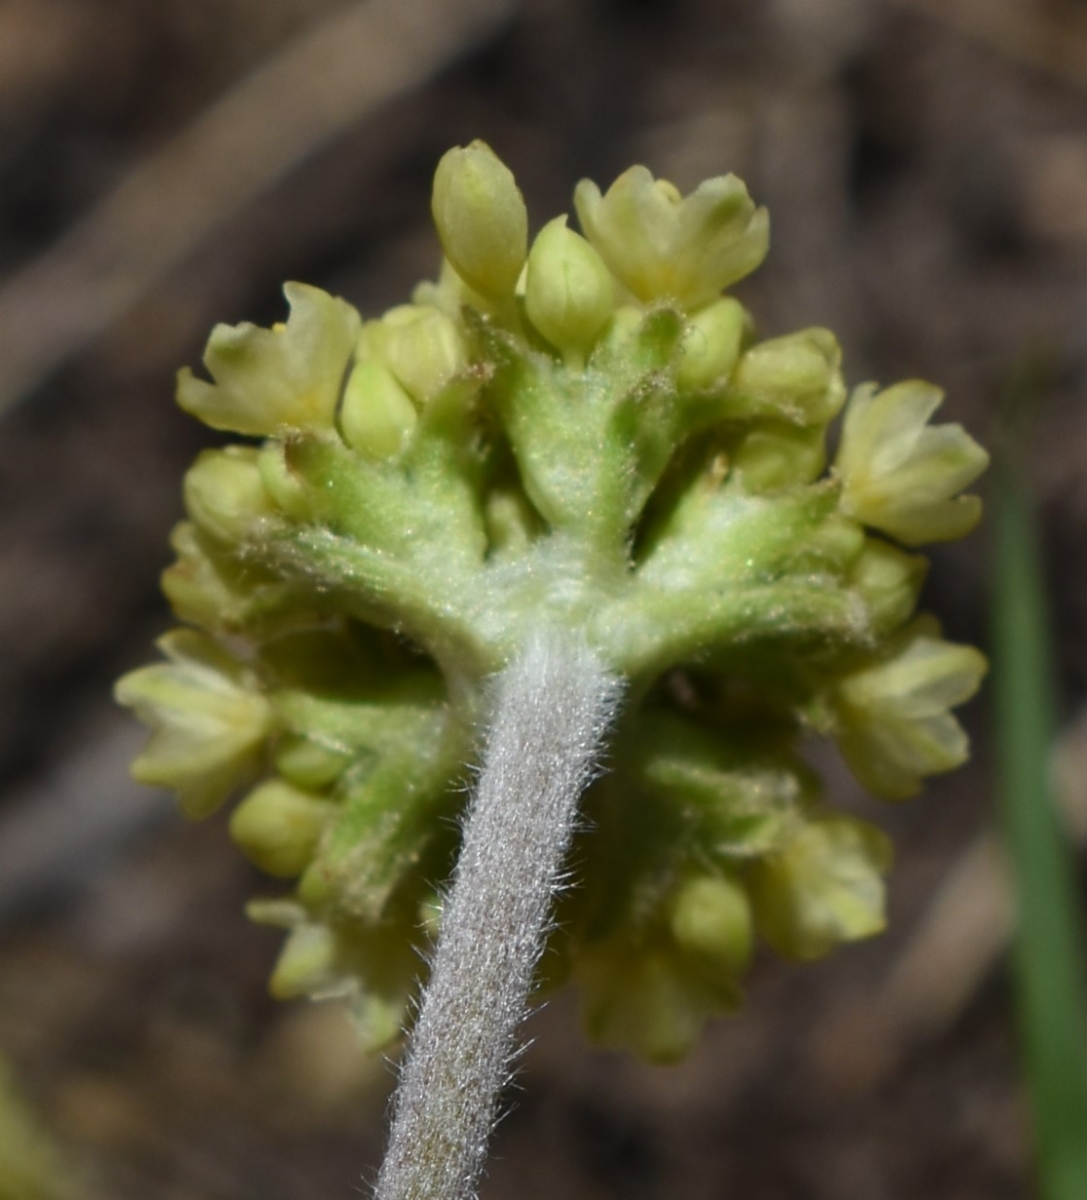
(266, 379)
(208, 722)
(902, 476)
(895, 724)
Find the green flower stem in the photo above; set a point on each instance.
(552, 707)
(374, 587)
(655, 629)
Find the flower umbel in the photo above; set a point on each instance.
(583, 433)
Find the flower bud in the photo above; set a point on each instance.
(288, 491)
(421, 345)
(208, 722)
(224, 493)
(824, 887)
(481, 219)
(895, 721)
(663, 246)
(310, 763)
(889, 581)
(316, 888)
(776, 455)
(569, 294)
(194, 586)
(643, 996)
(796, 376)
(377, 415)
(903, 476)
(268, 379)
(711, 921)
(711, 344)
(832, 545)
(277, 827)
(307, 964)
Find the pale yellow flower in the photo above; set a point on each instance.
(896, 724)
(824, 887)
(270, 379)
(902, 475)
(208, 722)
(663, 246)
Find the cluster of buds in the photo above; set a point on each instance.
(583, 432)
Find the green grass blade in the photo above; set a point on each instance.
(1052, 998)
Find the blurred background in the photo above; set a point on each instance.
(166, 165)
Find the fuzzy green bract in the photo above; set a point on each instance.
(580, 431)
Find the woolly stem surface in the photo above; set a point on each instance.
(552, 707)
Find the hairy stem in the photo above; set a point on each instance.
(552, 706)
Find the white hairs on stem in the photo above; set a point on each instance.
(552, 707)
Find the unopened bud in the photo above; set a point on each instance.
(625, 322)
(194, 584)
(776, 455)
(287, 490)
(421, 345)
(643, 997)
(889, 581)
(224, 494)
(481, 218)
(277, 827)
(308, 763)
(377, 415)
(711, 344)
(797, 375)
(569, 292)
(711, 920)
(307, 963)
(511, 521)
(834, 544)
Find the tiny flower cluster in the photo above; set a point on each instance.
(584, 432)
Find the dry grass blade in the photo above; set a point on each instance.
(328, 79)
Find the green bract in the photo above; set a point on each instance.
(599, 440)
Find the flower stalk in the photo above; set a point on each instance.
(551, 709)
